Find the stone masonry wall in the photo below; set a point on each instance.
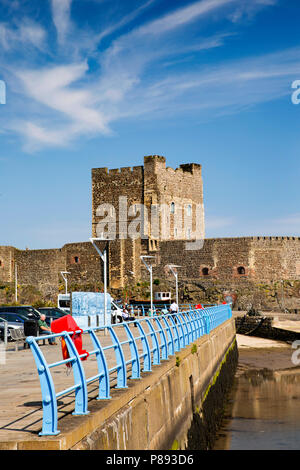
(164, 186)
(265, 261)
(7, 254)
(234, 259)
(40, 268)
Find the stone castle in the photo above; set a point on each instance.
(264, 271)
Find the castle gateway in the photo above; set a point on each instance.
(158, 211)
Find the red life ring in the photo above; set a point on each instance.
(67, 323)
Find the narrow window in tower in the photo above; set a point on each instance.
(172, 209)
(241, 270)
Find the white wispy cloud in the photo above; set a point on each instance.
(25, 33)
(181, 16)
(61, 17)
(65, 100)
(248, 9)
(53, 89)
(124, 21)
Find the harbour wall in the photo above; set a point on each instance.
(177, 406)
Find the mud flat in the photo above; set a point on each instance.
(261, 353)
(263, 408)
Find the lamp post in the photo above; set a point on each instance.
(63, 274)
(149, 268)
(16, 283)
(103, 256)
(175, 273)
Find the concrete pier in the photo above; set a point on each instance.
(154, 412)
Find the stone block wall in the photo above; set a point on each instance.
(234, 259)
(164, 186)
(40, 268)
(108, 186)
(83, 263)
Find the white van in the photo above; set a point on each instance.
(64, 302)
(116, 312)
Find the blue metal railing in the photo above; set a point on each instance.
(156, 339)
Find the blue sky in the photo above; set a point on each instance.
(93, 83)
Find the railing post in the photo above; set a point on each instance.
(191, 319)
(206, 321)
(121, 364)
(171, 347)
(202, 321)
(213, 317)
(211, 313)
(135, 362)
(81, 395)
(156, 351)
(104, 387)
(163, 339)
(146, 348)
(188, 328)
(184, 331)
(49, 427)
(177, 337)
(192, 324)
(196, 324)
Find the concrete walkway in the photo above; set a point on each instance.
(20, 391)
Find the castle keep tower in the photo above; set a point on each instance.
(142, 206)
(152, 210)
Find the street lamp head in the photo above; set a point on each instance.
(143, 257)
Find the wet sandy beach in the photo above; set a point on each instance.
(259, 353)
(263, 408)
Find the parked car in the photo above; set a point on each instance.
(13, 321)
(52, 313)
(25, 310)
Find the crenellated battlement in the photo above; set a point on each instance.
(152, 164)
(258, 238)
(128, 170)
